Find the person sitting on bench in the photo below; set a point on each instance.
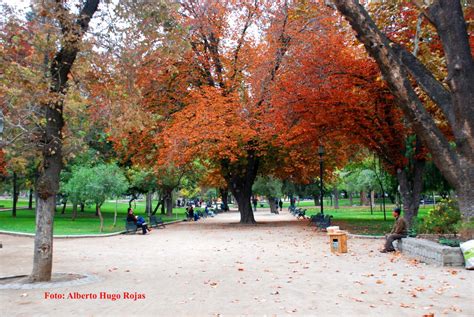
(190, 212)
(139, 221)
(399, 231)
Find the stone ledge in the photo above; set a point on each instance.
(431, 252)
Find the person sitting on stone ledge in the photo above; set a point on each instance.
(399, 230)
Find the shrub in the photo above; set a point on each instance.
(443, 218)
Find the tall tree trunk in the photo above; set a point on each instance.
(243, 196)
(148, 202)
(99, 213)
(273, 204)
(316, 198)
(74, 211)
(371, 204)
(455, 163)
(51, 139)
(168, 197)
(15, 194)
(115, 212)
(240, 177)
(158, 204)
(411, 185)
(30, 199)
(224, 193)
(82, 207)
(363, 198)
(336, 198)
(351, 199)
(64, 207)
(163, 211)
(134, 196)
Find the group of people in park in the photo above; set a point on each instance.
(278, 202)
(399, 229)
(192, 215)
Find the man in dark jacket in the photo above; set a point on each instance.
(399, 230)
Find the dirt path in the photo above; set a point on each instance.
(217, 267)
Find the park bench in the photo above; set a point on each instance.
(293, 210)
(156, 222)
(427, 201)
(326, 222)
(301, 213)
(321, 221)
(315, 219)
(130, 227)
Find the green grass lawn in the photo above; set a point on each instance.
(85, 223)
(355, 219)
(359, 220)
(8, 203)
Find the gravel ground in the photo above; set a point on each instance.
(217, 267)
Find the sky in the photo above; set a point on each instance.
(17, 3)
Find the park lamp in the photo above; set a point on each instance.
(321, 151)
(321, 186)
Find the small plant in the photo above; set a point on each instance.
(449, 242)
(443, 218)
(414, 228)
(466, 229)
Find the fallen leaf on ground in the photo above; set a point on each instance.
(357, 300)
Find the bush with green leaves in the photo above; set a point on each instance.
(443, 218)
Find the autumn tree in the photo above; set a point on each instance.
(399, 68)
(50, 135)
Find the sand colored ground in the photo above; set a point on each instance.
(218, 267)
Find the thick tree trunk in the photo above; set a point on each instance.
(51, 139)
(363, 198)
(43, 246)
(465, 194)
(15, 194)
(169, 202)
(148, 202)
(317, 202)
(82, 207)
(411, 185)
(456, 164)
(273, 204)
(74, 211)
(240, 177)
(243, 197)
(224, 192)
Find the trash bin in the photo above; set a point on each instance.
(338, 242)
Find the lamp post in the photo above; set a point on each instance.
(321, 193)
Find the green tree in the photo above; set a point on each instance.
(269, 187)
(96, 184)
